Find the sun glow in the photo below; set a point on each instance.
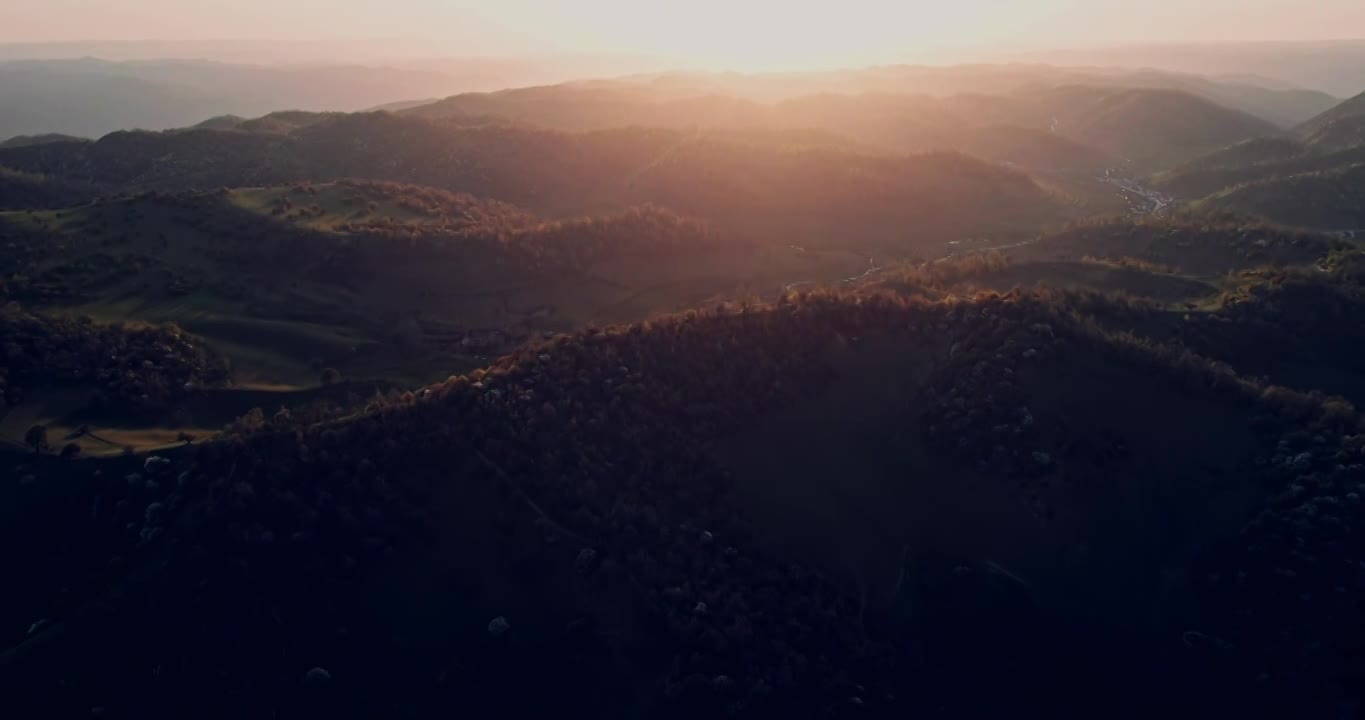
(776, 35)
(743, 35)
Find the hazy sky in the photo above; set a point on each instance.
(743, 34)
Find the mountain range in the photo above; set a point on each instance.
(962, 392)
(91, 97)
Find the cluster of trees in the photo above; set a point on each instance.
(938, 278)
(1292, 582)
(978, 409)
(444, 207)
(426, 212)
(137, 368)
(642, 232)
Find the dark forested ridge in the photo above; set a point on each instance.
(592, 451)
(961, 392)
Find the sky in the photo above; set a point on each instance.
(734, 34)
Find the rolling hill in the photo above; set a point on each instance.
(1343, 134)
(1321, 157)
(1158, 128)
(740, 184)
(1242, 155)
(377, 280)
(1063, 128)
(1331, 200)
(1352, 107)
(1199, 181)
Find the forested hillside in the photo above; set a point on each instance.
(1306, 181)
(1347, 109)
(372, 278)
(127, 367)
(639, 515)
(1155, 129)
(1329, 200)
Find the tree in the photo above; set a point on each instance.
(70, 451)
(36, 438)
(330, 376)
